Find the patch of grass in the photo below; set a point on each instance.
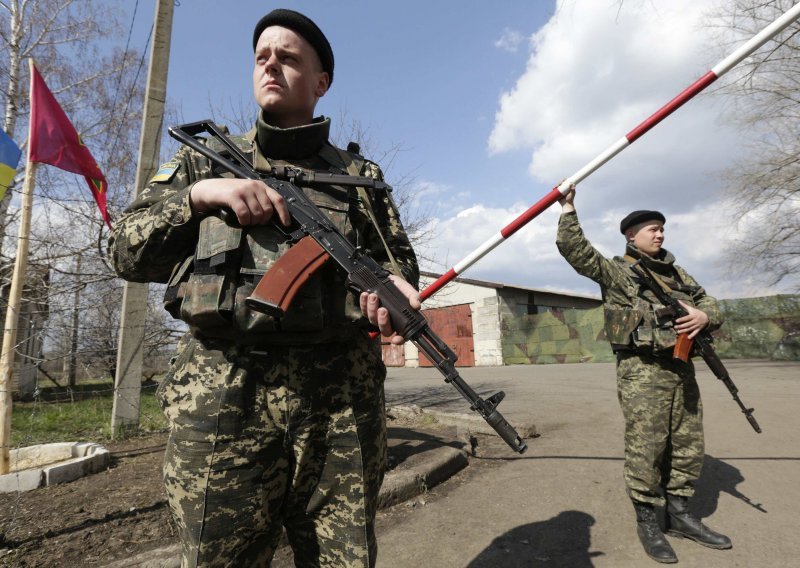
(81, 416)
(428, 420)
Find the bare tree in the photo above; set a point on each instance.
(417, 217)
(99, 84)
(64, 36)
(765, 186)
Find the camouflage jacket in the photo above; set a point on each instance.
(631, 311)
(211, 267)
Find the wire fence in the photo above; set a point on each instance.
(80, 413)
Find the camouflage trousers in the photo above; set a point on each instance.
(294, 437)
(664, 446)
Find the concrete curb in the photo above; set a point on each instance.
(48, 464)
(465, 423)
(419, 473)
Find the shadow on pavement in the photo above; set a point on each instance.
(718, 477)
(406, 442)
(564, 540)
(440, 395)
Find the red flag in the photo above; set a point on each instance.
(54, 141)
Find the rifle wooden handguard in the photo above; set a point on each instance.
(277, 288)
(683, 347)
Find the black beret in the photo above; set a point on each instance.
(639, 217)
(302, 26)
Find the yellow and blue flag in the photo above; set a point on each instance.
(9, 158)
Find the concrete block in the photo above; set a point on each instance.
(47, 464)
(24, 480)
(92, 461)
(488, 312)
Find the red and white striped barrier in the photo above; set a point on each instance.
(557, 192)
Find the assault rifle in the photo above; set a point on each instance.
(316, 240)
(701, 344)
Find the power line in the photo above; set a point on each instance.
(125, 55)
(135, 79)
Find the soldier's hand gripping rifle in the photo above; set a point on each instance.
(316, 240)
(701, 344)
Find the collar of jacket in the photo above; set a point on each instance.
(296, 143)
(662, 264)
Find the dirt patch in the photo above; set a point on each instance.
(92, 520)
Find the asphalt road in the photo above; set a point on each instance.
(563, 502)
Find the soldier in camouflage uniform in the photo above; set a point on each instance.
(659, 396)
(274, 423)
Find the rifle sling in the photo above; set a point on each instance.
(354, 169)
(661, 284)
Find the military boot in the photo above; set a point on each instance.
(682, 523)
(653, 541)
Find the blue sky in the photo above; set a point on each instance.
(417, 74)
(494, 106)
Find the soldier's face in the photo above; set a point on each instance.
(288, 79)
(648, 237)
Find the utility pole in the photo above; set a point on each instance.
(70, 359)
(128, 380)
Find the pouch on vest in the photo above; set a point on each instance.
(639, 329)
(620, 323)
(664, 336)
(315, 304)
(305, 313)
(176, 287)
(210, 289)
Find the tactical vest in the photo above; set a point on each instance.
(207, 290)
(646, 325)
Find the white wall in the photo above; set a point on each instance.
(484, 306)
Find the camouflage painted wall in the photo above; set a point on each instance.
(557, 336)
(767, 327)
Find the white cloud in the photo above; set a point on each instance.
(510, 40)
(527, 258)
(596, 70)
(425, 192)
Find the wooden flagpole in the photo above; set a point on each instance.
(14, 302)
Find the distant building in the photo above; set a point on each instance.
(473, 316)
